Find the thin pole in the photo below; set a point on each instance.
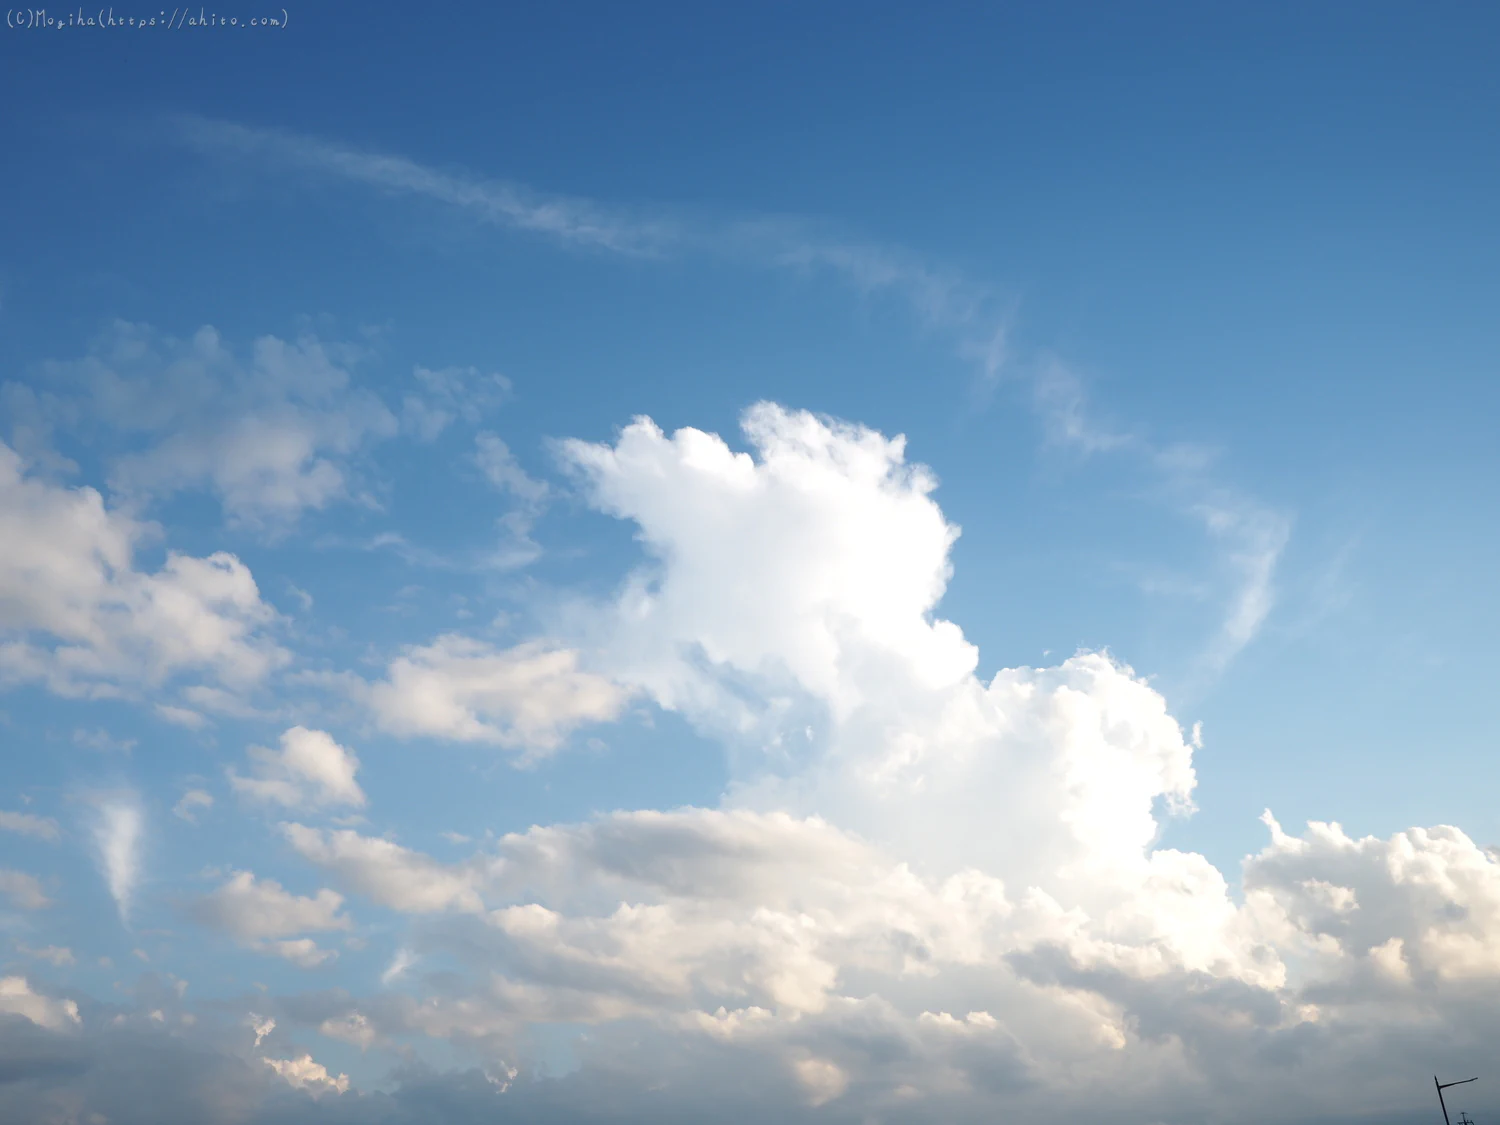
(1441, 1086)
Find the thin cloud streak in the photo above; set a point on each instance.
(1251, 537)
(495, 201)
(117, 830)
(939, 299)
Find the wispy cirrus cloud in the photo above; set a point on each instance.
(941, 299)
(1249, 535)
(118, 828)
(577, 221)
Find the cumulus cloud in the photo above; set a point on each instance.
(305, 1074)
(925, 891)
(926, 895)
(305, 953)
(527, 698)
(260, 914)
(76, 615)
(18, 998)
(310, 770)
(386, 872)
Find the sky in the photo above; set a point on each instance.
(838, 563)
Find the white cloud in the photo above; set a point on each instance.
(253, 910)
(75, 614)
(303, 1073)
(262, 1026)
(42, 827)
(191, 802)
(387, 873)
(897, 829)
(23, 889)
(117, 830)
(927, 895)
(310, 770)
(526, 698)
(827, 551)
(18, 998)
(305, 953)
(823, 1080)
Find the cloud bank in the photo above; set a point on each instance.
(926, 894)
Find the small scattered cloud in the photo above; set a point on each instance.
(58, 955)
(27, 824)
(192, 803)
(22, 889)
(310, 770)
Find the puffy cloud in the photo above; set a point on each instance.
(77, 615)
(18, 998)
(305, 1074)
(260, 913)
(804, 567)
(526, 698)
(1420, 908)
(42, 827)
(387, 873)
(23, 889)
(902, 839)
(926, 896)
(311, 770)
(305, 953)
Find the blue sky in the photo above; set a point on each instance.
(373, 666)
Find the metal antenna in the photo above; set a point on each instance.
(1465, 1119)
(1441, 1086)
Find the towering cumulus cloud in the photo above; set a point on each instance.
(925, 896)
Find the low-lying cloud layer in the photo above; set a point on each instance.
(926, 896)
